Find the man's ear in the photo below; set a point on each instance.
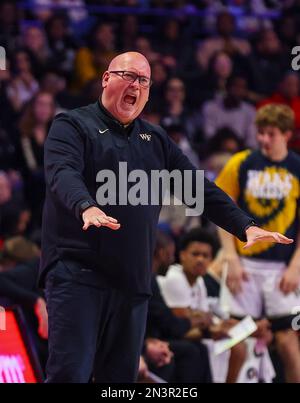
(105, 78)
(288, 134)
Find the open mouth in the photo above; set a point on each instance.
(130, 99)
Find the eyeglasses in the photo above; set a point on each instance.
(130, 76)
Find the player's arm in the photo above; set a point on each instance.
(236, 272)
(200, 320)
(228, 181)
(291, 277)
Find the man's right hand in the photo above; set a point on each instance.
(95, 216)
(236, 273)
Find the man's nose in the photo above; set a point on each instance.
(135, 83)
(265, 140)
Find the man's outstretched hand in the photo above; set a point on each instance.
(95, 216)
(256, 234)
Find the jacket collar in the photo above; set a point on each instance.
(111, 121)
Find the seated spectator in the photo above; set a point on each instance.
(7, 113)
(267, 63)
(35, 41)
(9, 25)
(62, 46)
(287, 31)
(23, 84)
(54, 83)
(190, 362)
(170, 43)
(91, 61)
(179, 361)
(175, 111)
(224, 40)
(225, 140)
(178, 135)
(220, 148)
(174, 215)
(211, 83)
(158, 358)
(232, 112)
(152, 114)
(128, 32)
(288, 94)
(75, 10)
(144, 46)
(7, 150)
(17, 250)
(14, 215)
(19, 261)
(184, 291)
(90, 92)
(34, 125)
(159, 76)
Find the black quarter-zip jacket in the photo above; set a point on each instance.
(83, 142)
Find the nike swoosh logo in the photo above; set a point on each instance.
(102, 131)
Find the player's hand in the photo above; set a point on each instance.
(236, 273)
(290, 280)
(95, 216)
(220, 331)
(263, 331)
(255, 234)
(202, 320)
(158, 352)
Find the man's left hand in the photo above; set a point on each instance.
(255, 234)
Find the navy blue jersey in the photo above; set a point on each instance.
(268, 191)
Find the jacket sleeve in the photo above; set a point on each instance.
(64, 164)
(218, 206)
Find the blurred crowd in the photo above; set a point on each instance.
(214, 63)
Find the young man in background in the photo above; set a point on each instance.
(265, 277)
